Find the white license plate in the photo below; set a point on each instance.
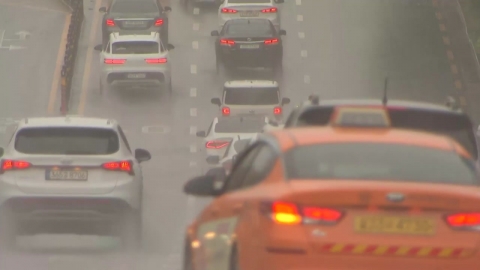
(67, 175)
(249, 46)
(249, 13)
(137, 76)
(134, 23)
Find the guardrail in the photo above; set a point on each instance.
(73, 38)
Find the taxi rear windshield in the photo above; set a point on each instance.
(67, 141)
(240, 125)
(379, 161)
(135, 47)
(252, 96)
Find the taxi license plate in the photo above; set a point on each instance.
(71, 175)
(394, 225)
(249, 46)
(137, 76)
(249, 13)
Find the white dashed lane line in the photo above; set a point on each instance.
(193, 148)
(193, 92)
(193, 112)
(303, 53)
(298, 2)
(301, 35)
(195, 45)
(193, 69)
(300, 18)
(193, 130)
(196, 26)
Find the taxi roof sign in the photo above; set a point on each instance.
(360, 117)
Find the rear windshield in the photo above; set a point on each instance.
(134, 7)
(251, 96)
(135, 47)
(248, 28)
(377, 161)
(67, 141)
(238, 125)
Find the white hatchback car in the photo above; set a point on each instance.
(135, 61)
(70, 175)
(233, 9)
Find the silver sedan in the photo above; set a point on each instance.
(233, 9)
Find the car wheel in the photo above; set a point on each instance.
(8, 233)
(187, 257)
(131, 230)
(234, 262)
(164, 36)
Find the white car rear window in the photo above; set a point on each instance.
(135, 47)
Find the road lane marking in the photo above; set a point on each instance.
(446, 40)
(193, 148)
(193, 164)
(301, 35)
(458, 84)
(303, 53)
(196, 11)
(88, 64)
(20, 5)
(195, 45)
(443, 28)
(193, 112)
(306, 79)
(454, 69)
(439, 15)
(450, 55)
(196, 26)
(300, 18)
(193, 92)
(463, 101)
(58, 66)
(193, 130)
(193, 69)
(298, 2)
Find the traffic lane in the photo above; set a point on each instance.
(355, 45)
(30, 52)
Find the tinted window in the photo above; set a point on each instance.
(251, 96)
(373, 161)
(135, 47)
(248, 28)
(261, 166)
(67, 141)
(240, 145)
(235, 181)
(248, 1)
(134, 7)
(238, 125)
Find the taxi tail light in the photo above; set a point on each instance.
(156, 60)
(225, 111)
(216, 144)
(269, 10)
(277, 110)
(8, 164)
(114, 61)
(464, 220)
(158, 22)
(110, 22)
(229, 10)
(290, 214)
(124, 166)
(272, 41)
(227, 42)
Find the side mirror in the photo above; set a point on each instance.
(201, 134)
(142, 155)
(202, 186)
(103, 9)
(285, 101)
(234, 158)
(282, 32)
(170, 47)
(213, 160)
(215, 33)
(2, 151)
(98, 47)
(216, 101)
(167, 8)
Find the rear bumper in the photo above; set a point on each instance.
(260, 58)
(157, 78)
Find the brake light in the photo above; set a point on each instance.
(124, 165)
(269, 10)
(227, 42)
(226, 111)
(290, 213)
(114, 61)
(158, 22)
(271, 41)
(277, 110)
(216, 144)
(8, 164)
(228, 10)
(156, 60)
(110, 22)
(464, 220)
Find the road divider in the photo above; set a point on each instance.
(73, 38)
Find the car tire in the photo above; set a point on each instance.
(187, 257)
(131, 230)
(8, 232)
(234, 263)
(164, 35)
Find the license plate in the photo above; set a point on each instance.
(134, 23)
(137, 76)
(72, 175)
(249, 13)
(395, 225)
(249, 46)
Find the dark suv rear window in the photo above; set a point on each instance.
(379, 161)
(67, 141)
(252, 96)
(134, 7)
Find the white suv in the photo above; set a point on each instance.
(71, 175)
(135, 61)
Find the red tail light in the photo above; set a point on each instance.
(110, 22)
(156, 60)
(226, 111)
(464, 220)
(8, 164)
(124, 165)
(216, 144)
(229, 10)
(227, 42)
(290, 213)
(114, 61)
(277, 110)
(269, 10)
(158, 22)
(271, 41)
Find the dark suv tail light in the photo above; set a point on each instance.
(158, 22)
(110, 22)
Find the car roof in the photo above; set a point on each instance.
(289, 138)
(146, 36)
(68, 121)
(250, 83)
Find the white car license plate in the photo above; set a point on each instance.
(249, 46)
(137, 76)
(66, 175)
(250, 13)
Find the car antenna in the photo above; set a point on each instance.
(385, 88)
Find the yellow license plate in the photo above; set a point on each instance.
(395, 225)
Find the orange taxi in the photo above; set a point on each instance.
(356, 195)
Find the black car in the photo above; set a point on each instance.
(133, 16)
(249, 43)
